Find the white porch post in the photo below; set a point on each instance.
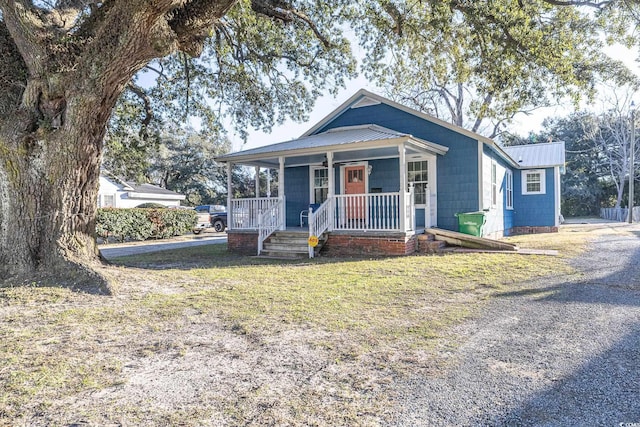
(268, 182)
(332, 187)
(283, 219)
(257, 181)
(403, 186)
(229, 196)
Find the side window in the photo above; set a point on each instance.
(533, 182)
(494, 184)
(509, 189)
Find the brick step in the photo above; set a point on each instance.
(427, 244)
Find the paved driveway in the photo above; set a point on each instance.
(126, 249)
(557, 352)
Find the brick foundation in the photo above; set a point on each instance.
(533, 230)
(378, 244)
(243, 242)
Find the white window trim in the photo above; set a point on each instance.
(543, 187)
(429, 165)
(312, 170)
(508, 190)
(103, 203)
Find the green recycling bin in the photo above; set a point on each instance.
(471, 223)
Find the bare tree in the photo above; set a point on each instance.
(610, 133)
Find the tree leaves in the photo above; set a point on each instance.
(468, 62)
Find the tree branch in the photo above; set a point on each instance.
(148, 112)
(13, 72)
(27, 31)
(193, 23)
(285, 12)
(596, 4)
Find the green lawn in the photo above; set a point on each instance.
(391, 314)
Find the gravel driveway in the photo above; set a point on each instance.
(559, 352)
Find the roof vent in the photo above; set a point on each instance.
(520, 159)
(365, 102)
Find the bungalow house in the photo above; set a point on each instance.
(116, 193)
(373, 174)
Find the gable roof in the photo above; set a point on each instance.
(343, 137)
(538, 155)
(364, 98)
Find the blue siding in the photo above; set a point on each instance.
(385, 174)
(457, 170)
(534, 210)
(508, 215)
(296, 181)
(499, 218)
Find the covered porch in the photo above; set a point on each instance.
(355, 181)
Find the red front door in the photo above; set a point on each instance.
(354, 184)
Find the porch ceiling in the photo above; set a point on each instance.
(347, 144)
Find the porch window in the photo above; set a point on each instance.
(320, 185)
(509, 189)
(418, 174)
(533, 182)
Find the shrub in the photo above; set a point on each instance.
(141, 224)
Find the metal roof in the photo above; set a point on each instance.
(349, 135)
(537, 155)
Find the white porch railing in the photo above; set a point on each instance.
(319, 221)
(371, 212)
(410, 210)
(375, 212)
(245, 212)
(269, 221)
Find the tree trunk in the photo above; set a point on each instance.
(51, 141)
(48, 194)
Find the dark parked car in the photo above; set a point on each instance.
(217, 216)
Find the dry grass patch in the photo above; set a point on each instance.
(201, 337)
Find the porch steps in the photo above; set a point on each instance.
(289, 244)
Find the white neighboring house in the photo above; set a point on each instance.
(116, 193)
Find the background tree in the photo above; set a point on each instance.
(184, 163)
(610, 134)
(477, 64)
(582, 186)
